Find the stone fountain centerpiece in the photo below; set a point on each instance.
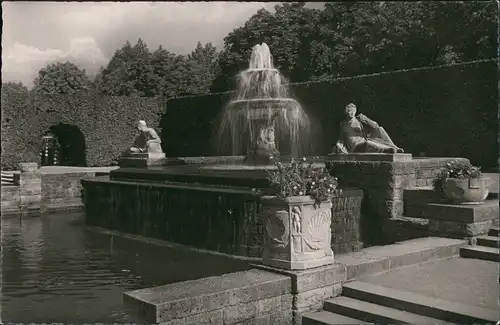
(262, 118)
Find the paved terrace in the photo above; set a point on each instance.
(468, 281)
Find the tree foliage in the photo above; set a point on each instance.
(61, 78)
(351, 38)
(136, 71)
(16, 87)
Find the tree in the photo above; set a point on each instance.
(202, 65)
(15, 87)
(288, 32)
(61, 78)
(129, 73)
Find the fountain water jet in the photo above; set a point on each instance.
(262, 118)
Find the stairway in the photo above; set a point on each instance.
(487, 247)
(7, 178)
(364, 303)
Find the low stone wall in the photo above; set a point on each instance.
(38, 190)
(222, 219)
(246, 297)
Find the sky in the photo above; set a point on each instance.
(88, 33)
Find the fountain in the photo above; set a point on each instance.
(262, 118)
(210, 202)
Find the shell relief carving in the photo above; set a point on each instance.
(318, 230)
(277, 227)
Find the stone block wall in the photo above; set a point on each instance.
(346, 221)
(226, 220)
(63, 187)
(383, 184)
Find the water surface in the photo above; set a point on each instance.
(54, 269)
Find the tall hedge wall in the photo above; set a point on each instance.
(442, 111)
(107, 124)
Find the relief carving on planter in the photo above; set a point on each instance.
(318, 230)
(296, 220)
(277, 227)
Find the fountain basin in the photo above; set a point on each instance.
(209, 206)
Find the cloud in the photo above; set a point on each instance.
(22, 62)
(88, 33)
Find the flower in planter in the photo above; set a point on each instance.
(457, 170)
(302, 178)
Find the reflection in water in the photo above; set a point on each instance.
(54, 269)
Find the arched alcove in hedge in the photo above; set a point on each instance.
(72, 146)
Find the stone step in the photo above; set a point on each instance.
(374, 313)
(494, 231)
(465, 213)
(419, 304)
(327, 318)
(481, 253)
(488, 241)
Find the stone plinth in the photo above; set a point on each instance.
(297, 233)
(446, 219)
(142, 159)
(310, 288)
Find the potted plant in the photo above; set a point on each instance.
(462, 183)
(297, 217)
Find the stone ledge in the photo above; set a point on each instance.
(370, 157)
(142, 160)
(305, 280)
(178, 300)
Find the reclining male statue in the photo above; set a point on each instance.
(359, 134)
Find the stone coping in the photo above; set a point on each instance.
(174, 301)
(68, 170)
(370, 157)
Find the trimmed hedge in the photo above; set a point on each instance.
(107, 123)
(190, 126)
(446, 111)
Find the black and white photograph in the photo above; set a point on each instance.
(250, 163)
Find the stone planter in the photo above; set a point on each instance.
(28, 167)
(297, 233)
(466, 191)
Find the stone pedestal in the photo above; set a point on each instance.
(145, 159)
(30, 188)
(297, 233)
